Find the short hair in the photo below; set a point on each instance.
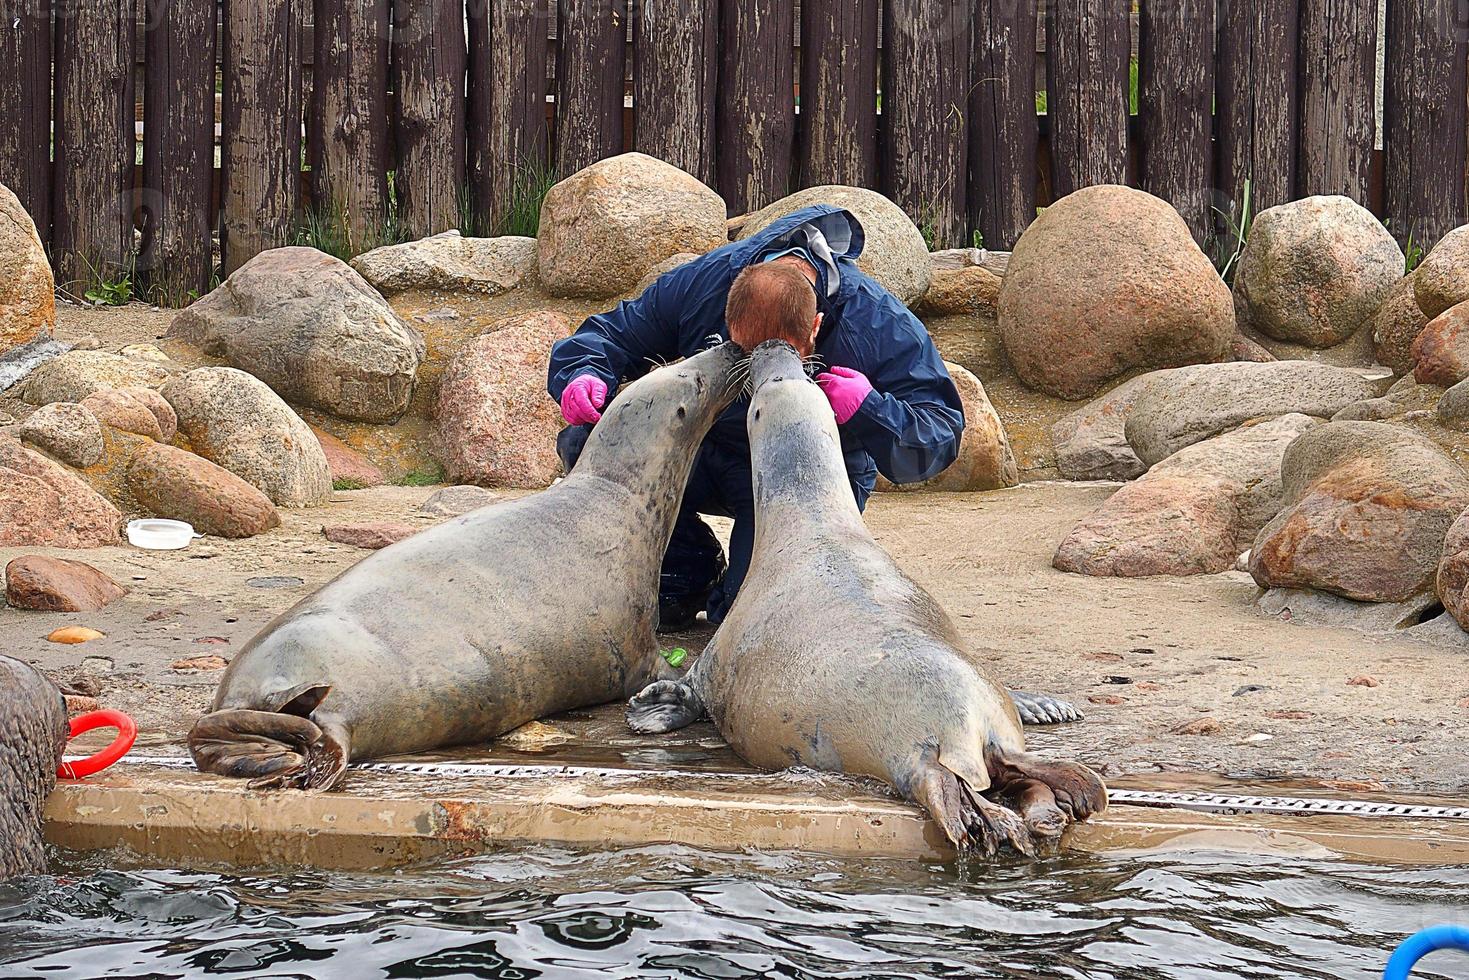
(771, 301)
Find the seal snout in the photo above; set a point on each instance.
(773, 362)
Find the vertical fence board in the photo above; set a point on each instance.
(925, 107)
(1338, 97)
(756, 109)
(675, 65)
(25, 106)
(591, 72)
(838, 131)
(1088, 48)
(348, 118)
(508, 142)
(428, 67)
(176, 257)
(1425, 115)
(1257, 101)
(1176, 106)
(92, 207)
(260, 140)
(1003, 126)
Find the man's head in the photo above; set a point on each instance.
(774, 301)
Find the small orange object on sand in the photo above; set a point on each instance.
(74, 634)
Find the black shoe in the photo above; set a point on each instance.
(677, 613)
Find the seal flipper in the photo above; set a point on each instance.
(966, 817)
(1036, 804)
(664, 706)
(273, 748)
(1079, 792)
(1042, 709)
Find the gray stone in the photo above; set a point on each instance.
(895, 253)
(1306, 608)
(1453, 407)
(78, 373)
(1441, 280)
(27, 289)
(453, 501)
(1396, 324)
(1091, 442)
(606, 225)
(310, 327)
(236, 421)
(1315, 270)
(65, 430)
(1191, 405)
(451, 262)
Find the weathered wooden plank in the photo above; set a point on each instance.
(91, 203)
(1003, 127)
(176, 258)
(591, 73)
(925, 145)
(755, 102)
(428, 65)
(1425, 115)
(1257, 100)
(260, 139)
(1176, 106)
(1338, 97)
(1088, 51)
(25, 106)
(508, 141)
(348, 118)
(675, 65)
(838, 131)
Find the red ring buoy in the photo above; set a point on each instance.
(127, 731)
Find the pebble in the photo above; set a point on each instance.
(1199, 726)
(74, 634)
(210, 662)
(1106, 699)
(275, 582)
(80, 704)
(99, 665)
(1364, 680)
(1288, 715)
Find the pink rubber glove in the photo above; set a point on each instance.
(582, 399)
(846, 390)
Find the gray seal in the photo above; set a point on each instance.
(33, 734)
(483, 623)
(832, 658)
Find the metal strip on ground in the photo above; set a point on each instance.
(1202, 802)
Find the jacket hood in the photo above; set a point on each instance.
(843, 233)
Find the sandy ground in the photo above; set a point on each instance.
(1158, 653)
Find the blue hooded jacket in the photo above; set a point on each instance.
(908, 428)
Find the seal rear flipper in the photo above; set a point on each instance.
(269, 748)
(967, 819)
(1079, 792)
(664, 706)
(1036, 804)
(1042, 709)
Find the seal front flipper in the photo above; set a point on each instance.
(664, 706)
(273, 748)
(1042, 709)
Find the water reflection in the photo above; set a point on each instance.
(676, 912)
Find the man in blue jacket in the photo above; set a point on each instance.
(897, 409)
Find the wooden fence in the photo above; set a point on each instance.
(434, 111)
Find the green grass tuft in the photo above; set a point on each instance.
(347, 483)
(522, 211)
(420, 478)
(326, 229)
(1230, 245)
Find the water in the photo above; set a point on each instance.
(676, 912)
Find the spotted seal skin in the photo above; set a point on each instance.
(32, 738)
(832, 658)
(483, 623)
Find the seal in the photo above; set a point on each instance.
(33, 734)
(483, 623)
(832, 658)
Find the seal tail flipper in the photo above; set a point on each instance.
(269, 748)
(967, 819)
(664, 706)
(1042, 709)
(1036, 804)
(1079, 792)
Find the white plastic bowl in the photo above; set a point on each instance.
(157, 534)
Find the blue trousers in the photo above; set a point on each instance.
(720, 485)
